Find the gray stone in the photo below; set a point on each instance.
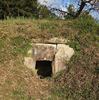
(43, 52)
(37, 41)
(63, 55)
(58, 55)
(56, 40)
(29, 63)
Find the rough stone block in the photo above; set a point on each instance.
(43, 52)
(63, 55)
(29, 63)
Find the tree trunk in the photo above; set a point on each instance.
(80, 9)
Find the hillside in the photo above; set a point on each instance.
(80, 81)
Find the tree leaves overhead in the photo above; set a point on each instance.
(14, 8)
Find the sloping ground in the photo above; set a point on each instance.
(80, 81)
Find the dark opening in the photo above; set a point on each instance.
(44, 68)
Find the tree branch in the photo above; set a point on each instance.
(62, 11)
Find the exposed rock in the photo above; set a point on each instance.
(43, 52)
(55, 55)
(29, 63)
(37, 41)
(56, 40)
(63, 55)
(30, 51)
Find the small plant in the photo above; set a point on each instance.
(69, 67)
(32, 73)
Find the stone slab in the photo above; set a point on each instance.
(29, 63)
(63, 55)
(54, 40)
(43, 52)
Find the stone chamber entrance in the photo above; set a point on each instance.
(48, 58)
(44, 68)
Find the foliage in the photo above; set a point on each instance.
(45, 12)
(14, 8)
(70, 9)
(84, 14)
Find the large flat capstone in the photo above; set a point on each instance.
(54, 40)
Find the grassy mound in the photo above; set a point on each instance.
(80, 81)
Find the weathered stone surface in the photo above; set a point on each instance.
(43, 52)
(37, 41)
(56, 40)
(58, 55)
(29, 63)
(30, 51)
(63, 55)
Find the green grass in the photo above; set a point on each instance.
(79, 81)
(21, 46)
